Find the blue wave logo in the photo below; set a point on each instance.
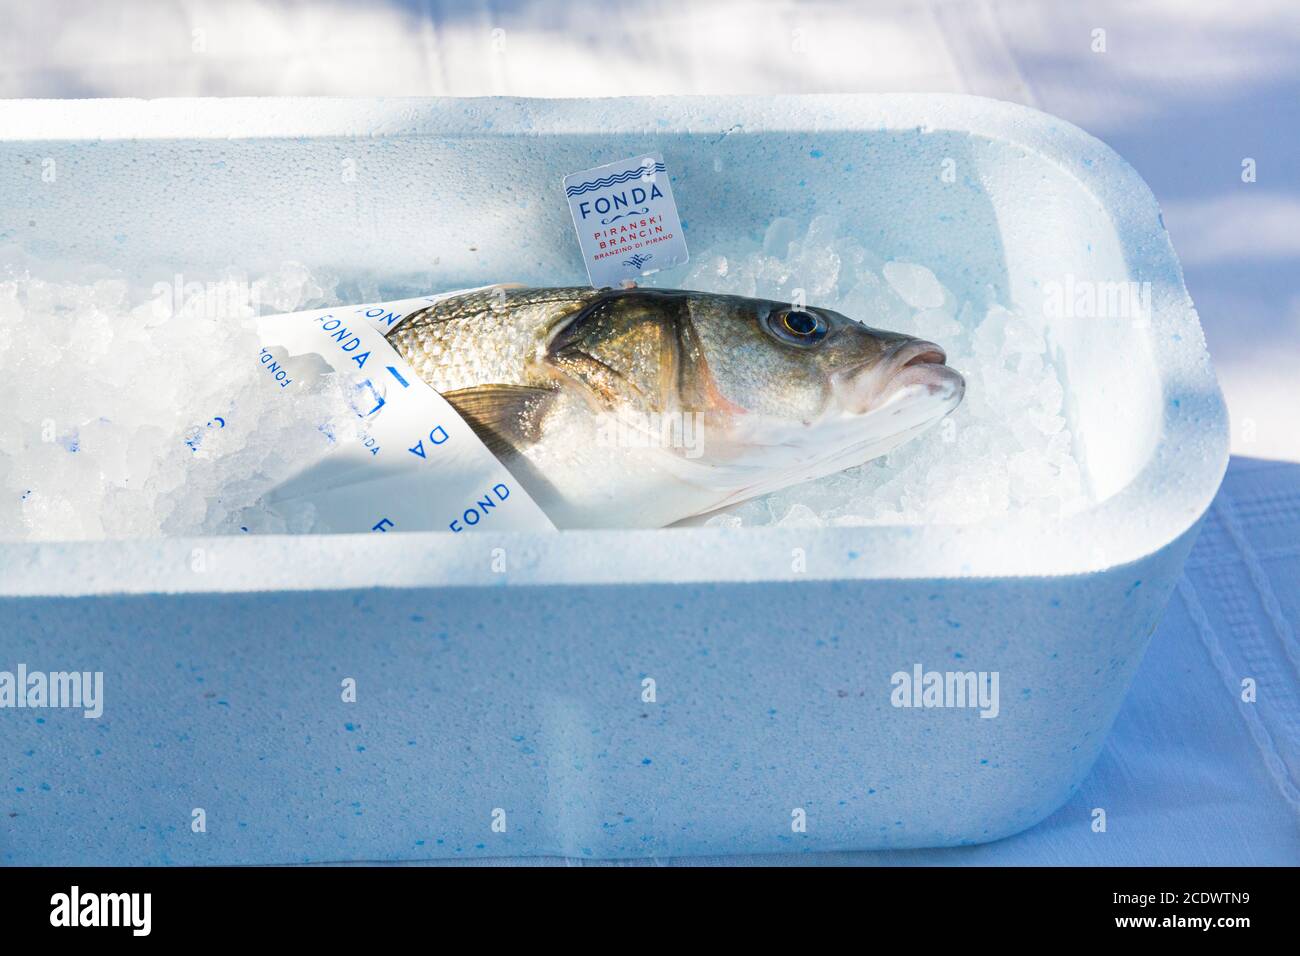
(613, 178)
(630, 212)
(638, 260)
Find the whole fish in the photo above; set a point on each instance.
(623, 408)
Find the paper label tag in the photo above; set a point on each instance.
(416, 465)
(626, 219)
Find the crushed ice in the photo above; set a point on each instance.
(115, 398)
(113, 395)
(1007, 448)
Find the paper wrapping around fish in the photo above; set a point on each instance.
(515, 408)
(404, 459)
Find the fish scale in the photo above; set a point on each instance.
(484, 337)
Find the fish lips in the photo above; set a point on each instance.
(913, 371)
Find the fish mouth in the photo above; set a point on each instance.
(876, 406)
(921, 365)
(912, 371)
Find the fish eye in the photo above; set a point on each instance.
(800, 323)
(798, 326)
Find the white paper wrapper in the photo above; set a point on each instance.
(412, 464)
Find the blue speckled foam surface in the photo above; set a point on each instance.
(769, 698)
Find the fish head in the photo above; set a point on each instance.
(761, 394)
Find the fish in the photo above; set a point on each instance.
(647, 407)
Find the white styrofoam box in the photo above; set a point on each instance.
(517, 697)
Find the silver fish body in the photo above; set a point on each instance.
(643, 407)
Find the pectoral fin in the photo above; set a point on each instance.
(505, 417)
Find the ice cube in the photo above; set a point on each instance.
(779, 235)
(915, 284)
